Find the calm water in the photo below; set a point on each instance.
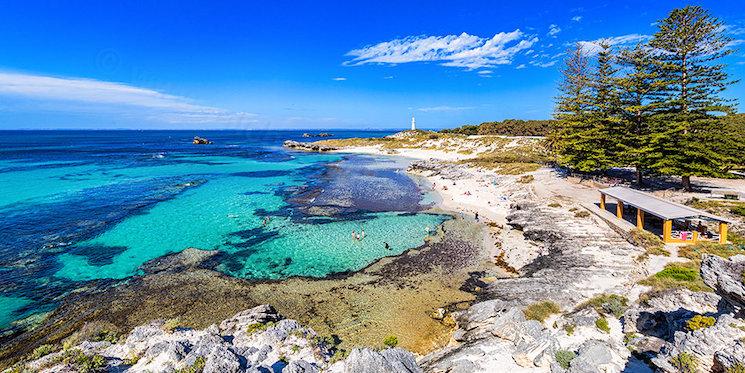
(77, 206)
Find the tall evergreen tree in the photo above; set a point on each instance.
(639, 90)
(579, 140)
(606, 107)
(689, 139)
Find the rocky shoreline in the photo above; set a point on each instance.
(558, 292)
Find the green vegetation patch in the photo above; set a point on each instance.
(677, 275)
(81, 362)
(390, 341)
(508, 127)
(259, 327)
(564, 357)
(607, 304)
(684, 362)
(602, 324)
(42, 351)
(651, 243)
(196, 367)
(700, 322)
(540, 311)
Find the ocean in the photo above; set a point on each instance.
(81, 207)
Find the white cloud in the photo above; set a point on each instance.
(159, 105)
(543, 64)
(444, 108)
(593, 47)
(521, 66)
(553, 30)
(340, 79)
(464, 50)
(485, 72)
(576, 18)
(388, 77)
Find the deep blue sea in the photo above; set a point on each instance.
(77, 206)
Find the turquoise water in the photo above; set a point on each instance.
(81, 206)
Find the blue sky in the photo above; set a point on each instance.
(304, 64)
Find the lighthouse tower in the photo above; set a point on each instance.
(413, 124)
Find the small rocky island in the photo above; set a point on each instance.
(200, 141)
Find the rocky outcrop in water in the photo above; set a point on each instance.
(307, 146)
(255, 340)
(200, 141)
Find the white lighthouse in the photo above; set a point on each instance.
(413, 123)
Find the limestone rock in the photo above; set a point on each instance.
(307, 146)
(392, 360)
(725, 277)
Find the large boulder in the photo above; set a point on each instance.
(703, 344)
(597, 356)
(392, 360)
(725, 276)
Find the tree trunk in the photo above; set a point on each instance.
(687, 183)
(639, 176)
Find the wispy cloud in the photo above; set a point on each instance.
(521, 66)
(340, 79)
(444, 108)
(593, 47)
(464, 50)
(576, 18)
(159, 105)
(553, 30)
(543, 64)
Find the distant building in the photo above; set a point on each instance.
(413, 123)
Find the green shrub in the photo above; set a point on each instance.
(684, 362)
(526, 179)
(582, 214)
(42, 351)
(607, 304)
(738, 210)
(602, 324)
(554, 204)
(540, 311)
(564, 357)
(172, 324)
(569, 328)
(737, 368)
(338, 355)
(81, 362)
(196, 367)
(390, 341)
(700, 322)
(106, 335)
(259, 327)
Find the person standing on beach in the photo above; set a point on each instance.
(362, 235)
(354, 235)
(387, 247)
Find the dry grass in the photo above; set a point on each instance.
(651, 243)
(694, 252)
(540, 311)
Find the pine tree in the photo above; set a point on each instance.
(639, 90)
(689, 139)
(606, 107)
(579, 140)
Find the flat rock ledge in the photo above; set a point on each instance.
(255, 340)
(307, 146)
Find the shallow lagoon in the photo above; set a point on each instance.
(79, 206)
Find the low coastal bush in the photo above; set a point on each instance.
(677, 275)
(390, 341)
(338, 355)
(171, 324)
(602, 324)
(81, 362)
(42, 351)
(582, 214)
(259, 327)
(650, 242)
(196, 367)
(694, 252)
(554, 204)
(96, 331)
(526, 179)
(540, 311)
(700, 322)
(607, 304)
(737, 368)
(684, 362)
(569, 328)
(564, 357)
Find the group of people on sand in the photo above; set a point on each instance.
(265, 221)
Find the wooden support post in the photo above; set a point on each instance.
(639, 218)
(619, 209)
(695, 236)
(667, 231)
(602, 201)
(722, 232)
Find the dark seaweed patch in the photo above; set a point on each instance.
(98, 255)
